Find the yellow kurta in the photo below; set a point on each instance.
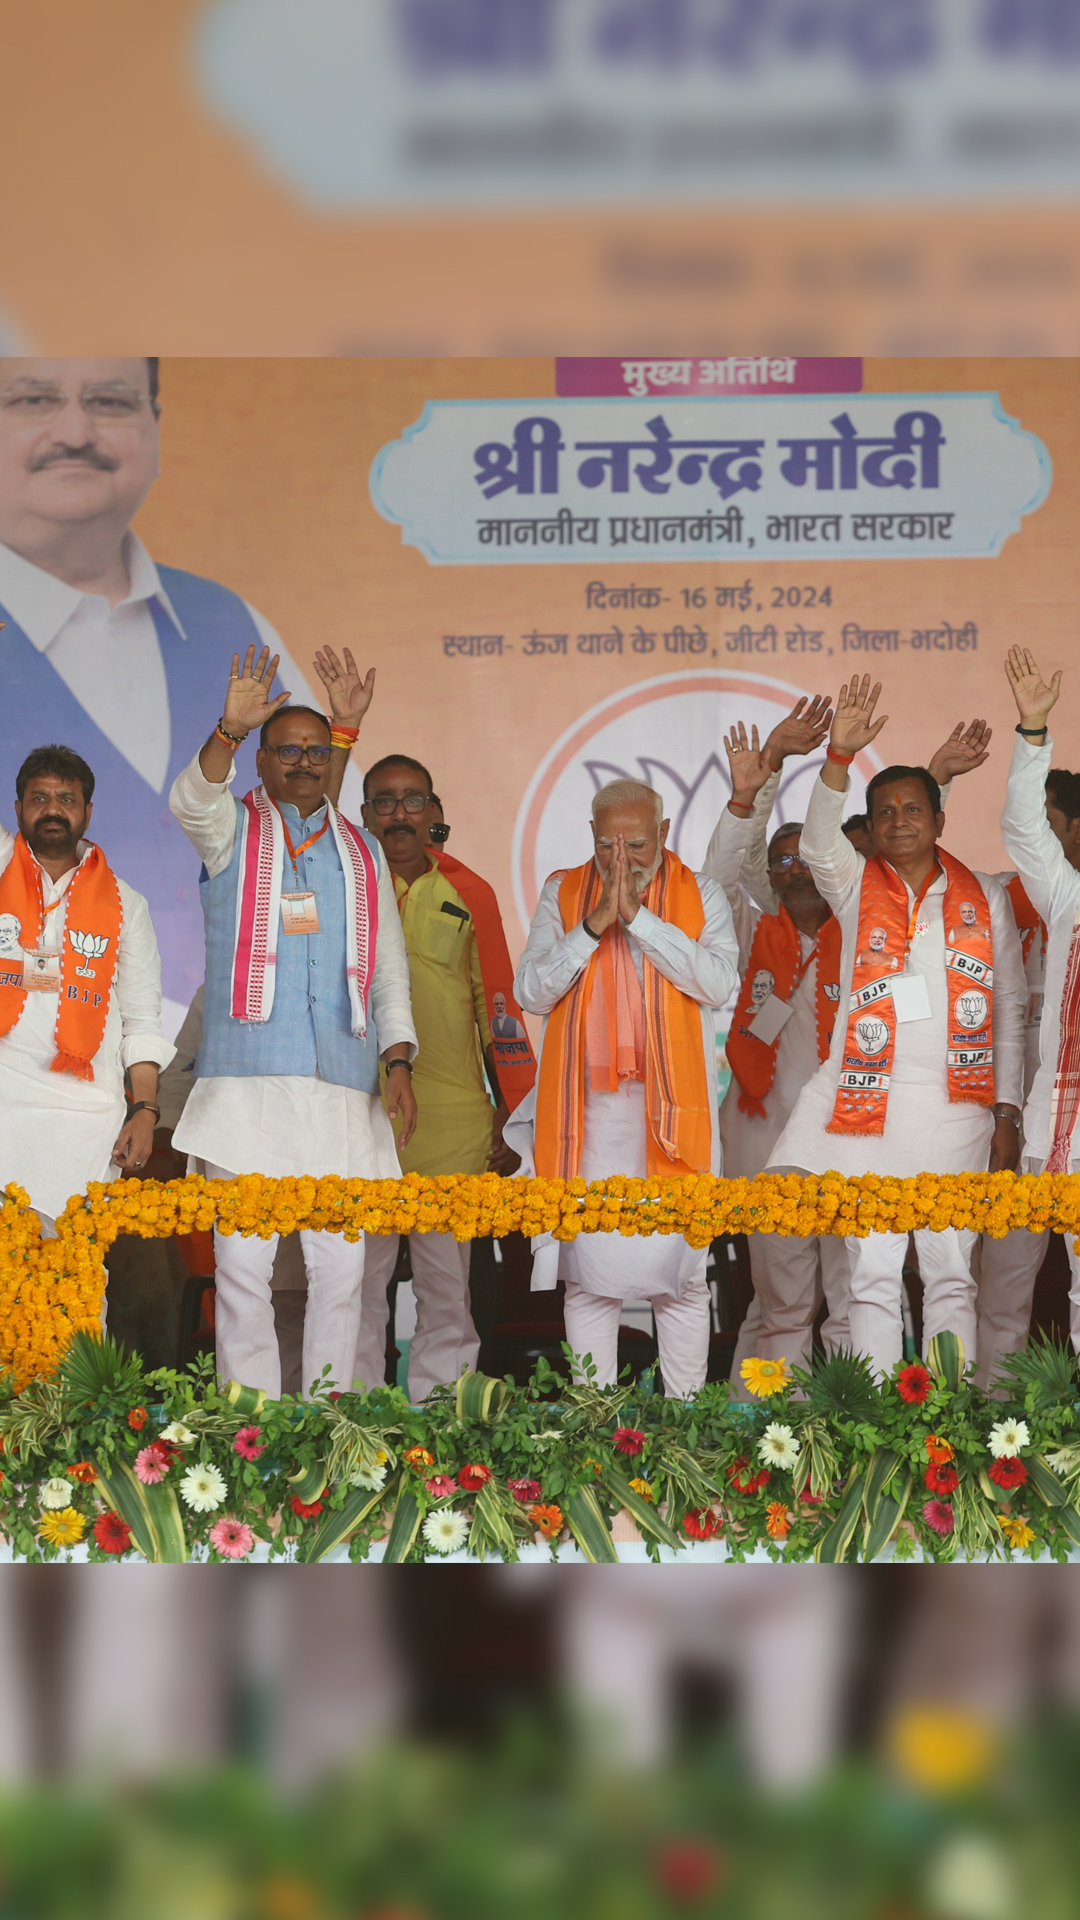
(453, 1132)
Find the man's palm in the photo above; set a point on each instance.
(247, 703)
(1034, 698)
(801, 730)
(854, 725)
(349, 693)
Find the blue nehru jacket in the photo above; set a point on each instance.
(309, 1030)
(131, 822)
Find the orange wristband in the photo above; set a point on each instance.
(839, 759)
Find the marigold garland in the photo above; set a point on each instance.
(48, 1288)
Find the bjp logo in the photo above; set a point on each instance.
(972, 1009)
(872, 1034)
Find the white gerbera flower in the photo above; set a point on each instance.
(55, 1494)
(971, 1879)
(446, 1531)
(371, 1477)
(202, 1488)
(180, 1435)
(1008, 1438)
(778, 1447)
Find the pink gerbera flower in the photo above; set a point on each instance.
(526, 1491)
(232, 1537)
(440, 1486)
(151, 1465)
(939, 1515)
(248, 1443)
(628, 1439)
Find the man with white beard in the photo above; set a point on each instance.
(628, 957)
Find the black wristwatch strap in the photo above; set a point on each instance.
(1032, 733)
(589, 931)
(144, 1106)
(407, 1064)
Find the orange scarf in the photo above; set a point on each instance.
(775, 965)
(662, 1045)
(1028, 924)
(93, 917)
(886, 929)
(514, 1059)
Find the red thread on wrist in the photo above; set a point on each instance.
(736, 806)
(839, 759)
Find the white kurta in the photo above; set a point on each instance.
(57, 1133)
(279, 1124)
(614, 1139)
(924, 1131)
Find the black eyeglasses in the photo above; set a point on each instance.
(292, 756)
(785, 861)
(387, 803)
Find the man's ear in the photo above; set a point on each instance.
(939, 825)
(89, 811)
(665, 828)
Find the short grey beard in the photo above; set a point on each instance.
(641, 878)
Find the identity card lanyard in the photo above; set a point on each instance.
(911, 996)
(41, 971)
(299, 913)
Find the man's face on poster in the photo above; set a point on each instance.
(78, 442)
(498, 1001)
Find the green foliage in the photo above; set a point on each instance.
(841, 1384)
(1042, 1376)
(96, 1366)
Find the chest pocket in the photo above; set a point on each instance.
(441, 937)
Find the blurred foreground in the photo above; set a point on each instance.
(400, 1744)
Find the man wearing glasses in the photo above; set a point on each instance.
(307, 988)
(460, 971)
(100, 647)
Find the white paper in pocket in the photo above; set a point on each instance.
(911, 997)
(770, 1019)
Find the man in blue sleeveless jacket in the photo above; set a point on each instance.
(307, 986)
(100, 648)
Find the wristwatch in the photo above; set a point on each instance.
(407, 1064)
(144, 1106)
(1003, 1112)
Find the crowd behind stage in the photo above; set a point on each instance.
(895, 1012)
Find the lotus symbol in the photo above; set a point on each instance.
(91, 945)
(871, 1034)
(972, 1009)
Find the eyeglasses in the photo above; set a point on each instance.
(292, 756)
(387, 803)
(121, 405)
(785, 861)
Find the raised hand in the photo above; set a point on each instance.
(854, 726)
(962, 752)
(606, 911)
(348, 694)
(1033, 697)
(801, 731)
(248, 704)
(747, 762)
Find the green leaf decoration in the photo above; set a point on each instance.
(248, 1401)
(844, 1384)
(309, 1483)
(946, 1359)
(643, 1511)
(1045, 1482)
(404, 1527)
(152, 1513)
(885, 1498)
(835, 1541)
(492, 1529)
(342, 1521)
(1046, 1366)
(586, 1521)
(95, 1365)
(479, 1397)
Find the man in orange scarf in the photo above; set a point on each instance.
(80, 996)
(627, 959)
(925, 1070)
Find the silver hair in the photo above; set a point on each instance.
(793, 826)
(626, 793)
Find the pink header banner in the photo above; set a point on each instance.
(647, 377)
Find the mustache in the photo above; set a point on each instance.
(400, 826)
(53, 820)
(88, 456)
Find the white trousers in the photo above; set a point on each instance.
(445, 1341)
(247, 1345)
(1006, 1271)
(682, 1332)
(877, 1266)
(791, 1276)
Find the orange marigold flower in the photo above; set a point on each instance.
(777, 1523)
(137, 1419)
(939, 1451)
(419, 1457)
(548, 1520)
(85, 1471)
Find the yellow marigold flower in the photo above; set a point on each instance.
(763, 1378)
(62, 1529)
(419, 1457)
(644, 1488)
(943, 1749)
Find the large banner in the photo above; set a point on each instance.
(563, 573)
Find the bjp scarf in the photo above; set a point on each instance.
(1028, 924)
(776, 966)
(514, 1059)
(93, 917)
(886, 930)
(626, 1034)
(258, 911)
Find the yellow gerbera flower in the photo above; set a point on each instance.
(62, 1529)
(643, 1488)
(765, 1377)
(1017, 1532)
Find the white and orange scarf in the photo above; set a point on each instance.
(92, 923)
(776, 951)
(258, 911)
(886, 928)
(627, 1035)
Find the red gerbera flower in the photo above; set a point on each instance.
(808, 1499)
(700, 1523)
(111, 1533)
(304, 1512)
(525, 1491)
(688, 1870)
(942, 1479)
(756, 1480)
(939, 1515)
(85, 1471)
(628, 1439)
(1008, 1473)
(472, 1478)
(914, 1385)
(137, 1419)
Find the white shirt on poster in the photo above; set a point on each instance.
(279, 1124)
(57, 1133)
(924, 1130)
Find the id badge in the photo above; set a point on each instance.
(770, 1019)
(41, 972)
(911, 997)
(299, 913)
